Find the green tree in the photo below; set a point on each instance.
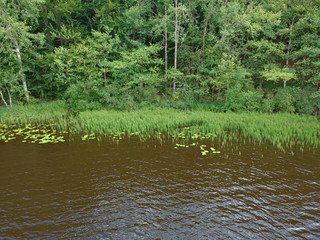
(137, 67)
(16, 21)
(82, 62)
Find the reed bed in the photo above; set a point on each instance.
(281, 129)
(42, 113)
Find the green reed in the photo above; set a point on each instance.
(42, 113)
(281, 129)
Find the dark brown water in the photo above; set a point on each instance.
(90, 190)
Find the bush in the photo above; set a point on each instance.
(144, 95)
(238, 99)
(83, 105)
(268, 104)
(23, 101)
(303, 101)
(83, 96)
(217, 106)
(284, 100)
(316, 99)
(184, 98)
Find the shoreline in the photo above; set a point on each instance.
(281, 129)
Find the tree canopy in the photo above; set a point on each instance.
(234, 55)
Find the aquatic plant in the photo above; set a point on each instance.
(30, 134)
(283, 130)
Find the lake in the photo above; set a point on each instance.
(147, 190)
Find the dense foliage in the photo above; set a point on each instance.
(236, 55)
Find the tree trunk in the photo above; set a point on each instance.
(23, 77)
(176, 38)
(288, 50)
(287, 61)
(166, 43)
(204, 38)
(9, 95)
(3, 100)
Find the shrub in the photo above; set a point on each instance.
(184, 98)
(238, 99)
(284, 100)
(316, 99)
(83, 96)
(268, 104)
(303, 101)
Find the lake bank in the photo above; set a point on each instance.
(281, 129)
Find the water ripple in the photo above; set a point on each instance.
(134, 191)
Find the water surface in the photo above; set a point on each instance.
(135, 190)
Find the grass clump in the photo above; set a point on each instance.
(42, 113)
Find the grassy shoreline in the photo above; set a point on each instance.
(281, 129)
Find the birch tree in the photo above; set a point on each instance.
(291, 14)
(162, 28)
(179, 13)
(16, 20)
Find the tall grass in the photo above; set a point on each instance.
(37, 114)
(280, 129)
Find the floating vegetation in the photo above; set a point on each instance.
(88, 137)
(85, 137)
(187, 128)
(30, 134)
(203, 149)
(214, 151)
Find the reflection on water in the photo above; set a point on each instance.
(146, 191)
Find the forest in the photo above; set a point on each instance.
(220, 55)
